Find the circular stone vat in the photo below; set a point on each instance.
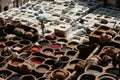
(10, 43)
(62, 41)
(37, 60)
(48, 51)
(44, 43)
(59, 53)
(16, 39)
(117, 38)
(42, 68)
(86, 77)
(6, 54)
(55, 46)
(14, 77)
(36, 48)
(73, 44)
(24, 56)
(25, 42)
(114, 71)
(64, 49)
(71, 53)
(93, 69)
(65, 60)
(106, 77)
(50, 62)
(16, 62)
(17, 47)
(43, 78)
(5, 74)
(27, 77)
(59, 75)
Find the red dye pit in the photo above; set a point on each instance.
(55, 46)
(36, 48)
(36, 61)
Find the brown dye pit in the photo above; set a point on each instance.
(59, 53)
(94, 69)
(42, 68)
(97, 33)
(65, 49)
(16, 63)
(87, 77)
(62, 41)
(72, 44)
(16, 39)
(48, 51)
(85, 50)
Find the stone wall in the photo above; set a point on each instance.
(4, 4)
(7, 4)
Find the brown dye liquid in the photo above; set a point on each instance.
(42, 70)
(71, 66)
(93, 71)
(71, 45)
(1, 42)
(48, 52)
(16, 63)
